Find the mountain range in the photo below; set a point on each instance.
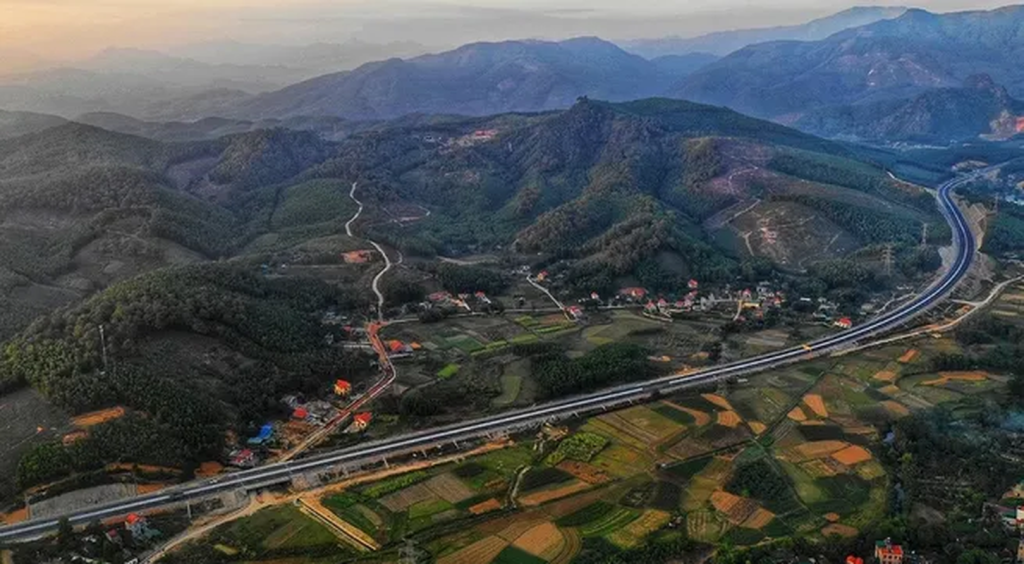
(978, 109)
(888, 60)
(722, 43)
(476, 79)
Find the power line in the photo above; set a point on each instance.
(887, 258)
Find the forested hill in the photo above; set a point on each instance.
(81, 207)
(608, 186)
(978, 109)
(191, 352)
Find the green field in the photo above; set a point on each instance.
(511, 384)
(610, 522)
(448, 371)
(277, 532)
(347, 507)
(428, 508)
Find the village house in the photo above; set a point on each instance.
(342, 388)
(244, 458)
(360, 422)
(265, 435)
(633, 294)
(844, 323)
(576, 312)
(888, 553)
(692, 284)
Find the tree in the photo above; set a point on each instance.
(65, 535)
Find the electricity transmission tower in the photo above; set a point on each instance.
(409, 554)
(887, 258)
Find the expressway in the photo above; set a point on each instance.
(371, 452)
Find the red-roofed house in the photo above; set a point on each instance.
(439, 296)
(844, 323)
(300, 413)
(135, 523)
(888, 553)
(244, 459)
(362, 420)
(542, 276)
(575, 311)
(480, 295)
(851, 559)
(342, 388)
(693, 284)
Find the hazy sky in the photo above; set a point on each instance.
(73, 29)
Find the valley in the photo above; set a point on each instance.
(746, 296)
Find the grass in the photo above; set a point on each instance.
(428, 508)
(514, 555)
(448, 371)
(804, 484)
(690, 468)
(673, 414)
(582, 446)
(313, 202)
(278, 530)
(537, 478)
(347, 507)
(511, 385)
(390, 485)
(466, 344)
(613, 521)
(591, 513)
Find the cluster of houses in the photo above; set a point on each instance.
(316, 412)
(462, 301)
(134, 532)
(763, 296)
(474, 138)
(886, 552)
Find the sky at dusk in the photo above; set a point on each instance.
(33, 31)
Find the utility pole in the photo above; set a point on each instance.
(887, 258)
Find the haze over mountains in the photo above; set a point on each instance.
(843, 84)
(722, 43)
(887, 60)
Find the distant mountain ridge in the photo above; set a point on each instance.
(888, 60)
(978, 109)
(724, 42)
(476, 79)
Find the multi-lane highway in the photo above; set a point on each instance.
(964, 245)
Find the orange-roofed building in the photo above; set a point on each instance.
(135, 523)
(342, 388)
(542, 276)
(362, 420)
(415, 346)
(888, 553)
(851, 559)
(844, 323)
(300, 413)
